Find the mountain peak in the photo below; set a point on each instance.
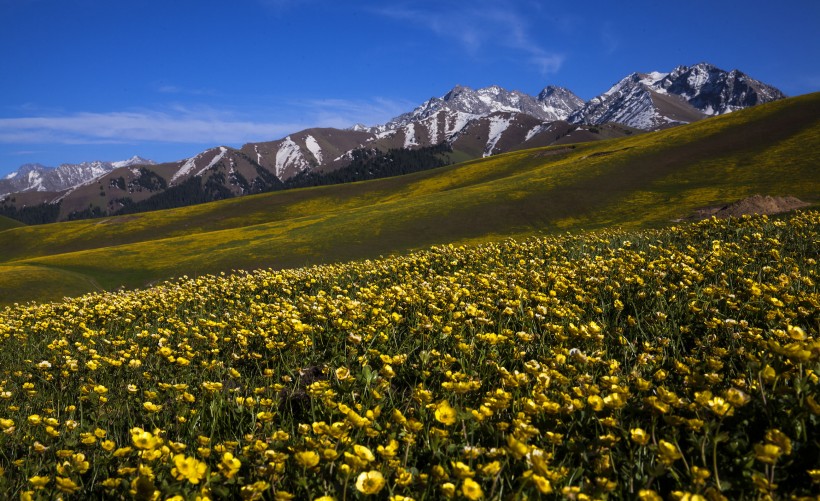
(492, 89)
(654, 100)
(135, 160)
(456, 91)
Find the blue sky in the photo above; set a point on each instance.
(104, 79)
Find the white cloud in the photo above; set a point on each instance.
(482, 25)
(609, 38)
(342, 113)
(119, 127)
(197, 124)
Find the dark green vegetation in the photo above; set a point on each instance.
(640, 181)
(38, 214)
(192, 191)
(374, 164)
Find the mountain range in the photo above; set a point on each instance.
(37, 177)
(471, 123)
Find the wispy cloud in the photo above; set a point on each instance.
(480, 25)
(177, 126)
(344, 112)
(609, 39)
(194, 124)
(164, 88)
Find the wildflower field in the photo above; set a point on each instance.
(636, 182)
(662, 364)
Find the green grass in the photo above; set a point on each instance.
(640, 181)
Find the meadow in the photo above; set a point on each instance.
(673, 363)
(641, 181)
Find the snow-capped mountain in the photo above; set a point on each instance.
(37, 177)
(490, 113)
(464, 103)
(558, 102)
(688, 93)
(714, 91)
(492, 120)
(473, 123)
(135, 160)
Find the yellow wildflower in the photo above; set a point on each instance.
(639, 436)
(542, 484)
(144, 440)
(307, 459)
(444, 413)
(229, 466)
(188, 468)
(66, 485)
(471, 489)
(668, 452)
(363, 453)
(370, 482)
(767, 453)
(649, 495)
(39, 482)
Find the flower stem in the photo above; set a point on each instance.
(714, 457)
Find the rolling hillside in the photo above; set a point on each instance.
(6, 223)
(646, 180)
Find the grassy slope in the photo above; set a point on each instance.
(645, 180)
(7, 223)
(23, 282)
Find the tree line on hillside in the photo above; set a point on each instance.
(374, 164)
(366, 164)
(35, 214)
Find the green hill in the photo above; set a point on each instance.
(641, 181)
(6, 223)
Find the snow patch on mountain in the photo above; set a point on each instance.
(538, 129)
(432, 128)
(410, 135)
(652, 77)
(455, 122)
(135, 160)
(35, 180)
(498, 124)
(187, 167)
(289, 155)
(216, 160)
(314, 148)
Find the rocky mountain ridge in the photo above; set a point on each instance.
(472, 123)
